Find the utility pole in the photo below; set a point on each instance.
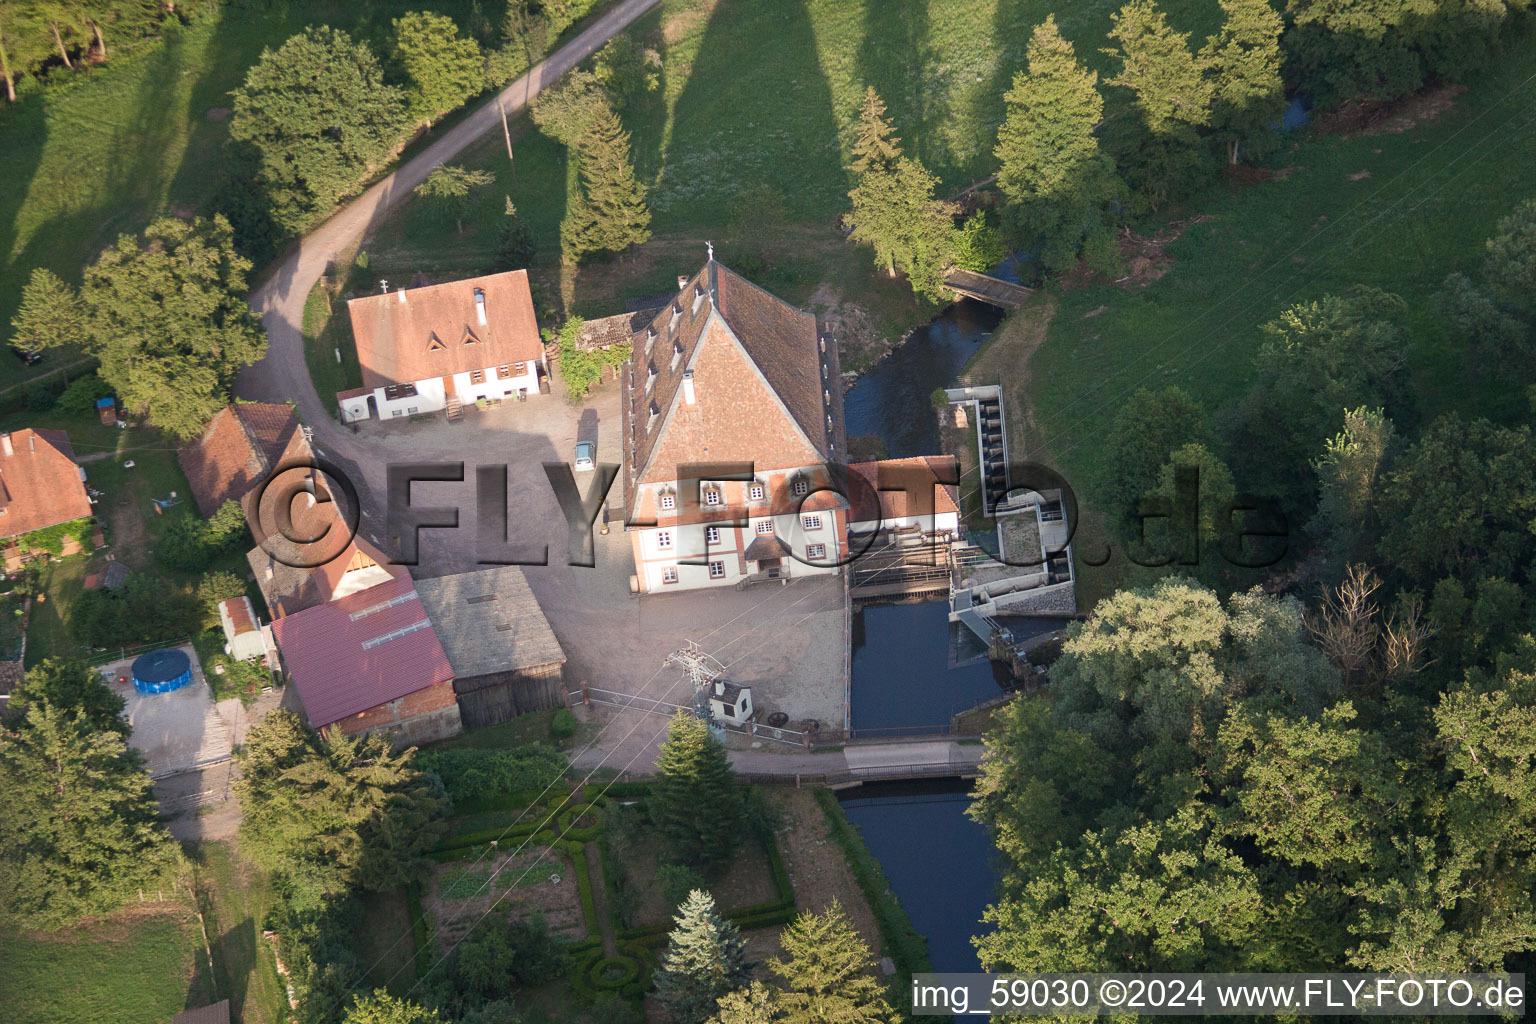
(506, 133)
(701, 670)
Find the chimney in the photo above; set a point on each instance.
(688, 397)
(400, 293)
(5, 444)
(682, 281)
(480, 305)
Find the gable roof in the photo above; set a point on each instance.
(418, 333)
(41, 485)
(489, 621)
(361, 651)
(239, 446)
(893, 504)
(767, 387)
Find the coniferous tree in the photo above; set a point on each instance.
(755, 1004)
(78, 828)
(705, 959)
(443, 68)
(1244, 62)
(696, 806)
(71, 688)
(1172, 95)
(320, 116)
(1057, 181)
(827, 971)
(895, 213)
(50, 313)
(875, 144)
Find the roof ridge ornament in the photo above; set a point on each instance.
(710, 248)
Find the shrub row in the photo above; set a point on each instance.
(906, 947)
(615, 791)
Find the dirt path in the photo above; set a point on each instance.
(600, 900)
(816, 865)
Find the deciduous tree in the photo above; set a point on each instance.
(442, 68)
(1244, 63)
(449, 186)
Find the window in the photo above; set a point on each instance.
(816, 551)
(717, 570)
(712, 535)
(712, 496)
(668, 501)
(412, 409)
(520, 368)
(765, 528)
(477, 376)
(503, 372)
(394, 391)
(664, 539)
(802, 486)
(811, 522)
(756, 492)
(669, 575)
(399, 412)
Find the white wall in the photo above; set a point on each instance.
(430, 397)
(494, 387)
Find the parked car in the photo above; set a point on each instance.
(586, 456)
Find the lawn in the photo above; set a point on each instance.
(141, 965)
(236, 897)
(100, 153)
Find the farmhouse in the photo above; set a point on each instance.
(371, 662)
(239, 448)
(423, 350)
(41, 485)
(506, 660)
(732, 414)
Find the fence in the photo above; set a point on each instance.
(653, 706)
(123, 653)
(855, 776)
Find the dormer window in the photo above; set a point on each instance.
(650, 377)
(698, 299)
(712, 495)
(650, 340)
(435, 344)
(677, 311)
(677, 353)
(469, 338)
(757, 492)
(668, 501)
(654, 415)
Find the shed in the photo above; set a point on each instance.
(242, 633)
(162, 671)
(506, 660)
(730, 702)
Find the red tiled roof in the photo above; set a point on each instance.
(436, 330)
(238, 447)
(361, 651)
(766, 391)
(40, 482)
(893, 504)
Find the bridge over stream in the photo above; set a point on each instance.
(984, 288)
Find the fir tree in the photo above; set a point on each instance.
(894, 213)
(49, 315)
(72, 688)
(1056, 180)
(875, 144)
(696, 806)
(78, 827)
(826, 968)
(614, 194)
(1172, 94)
(1244, 62)
(705, 959)
(755, 1004)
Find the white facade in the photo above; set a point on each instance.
(942, 522)
(431, 395)
(720, 550)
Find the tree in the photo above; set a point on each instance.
(704, 960)
(1350, 478)
(977, 245)
(826, 969)
(1510, 265)
(450, 187)
(1149, 427)
(320, 116)
(755, 1004)
(1496, 337)
(71, 688)
(626, 70)
(695, 806)
(1172, 94)
(1163, 537)
(1244, 63)
(441, 67)
(167, 319)
(1460, 502)
(333, 813)
(79, 833)
(515, 247)
(875, 144)
(50, 313)
(379, 1007)
(1057, 182)
(894, 213)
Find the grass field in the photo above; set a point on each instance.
(142, 966)
(236, 898)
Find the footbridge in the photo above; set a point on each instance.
(984, 288)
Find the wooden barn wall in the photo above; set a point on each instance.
(498, 696)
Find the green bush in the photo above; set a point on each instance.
(676, 881)
(612, 973)
(53, 538)
(474, 773)
(563, 725)
(80, 397)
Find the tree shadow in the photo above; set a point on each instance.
(896, 58)
(25, 130)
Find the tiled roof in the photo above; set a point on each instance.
(40, 483)
(238, 448)
(419, 333)
(768, 547)
(489, 621)
(605, 332)
(893, 504)
(361, 651)
(767, 390)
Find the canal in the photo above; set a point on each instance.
(945, 880)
